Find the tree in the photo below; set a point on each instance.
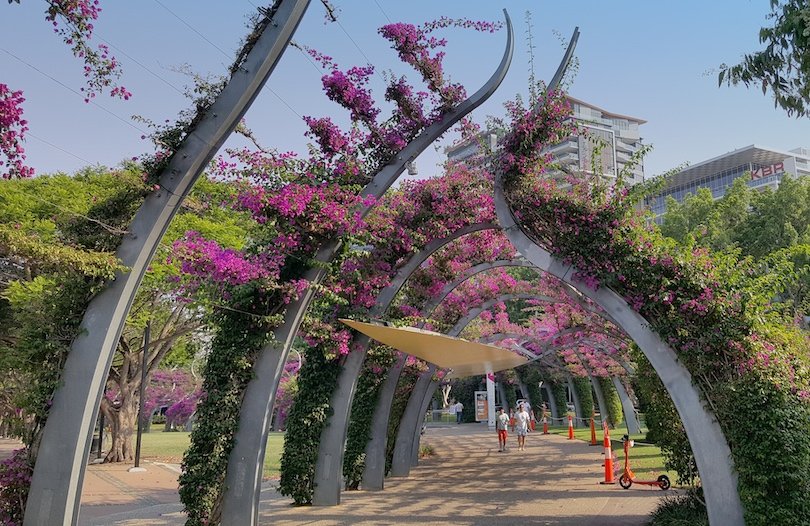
(176, 314)
(783, 67)
(47, 265)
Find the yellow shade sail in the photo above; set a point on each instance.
(464, 357)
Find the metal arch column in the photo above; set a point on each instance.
(577, 404)
(600, 399)
(469, 273)
(246, 459)
(709, 445)
(401, 463)
(417, 432)
(329, 465)
(474, 313)
(58, 476)
(374, 471)
(552, 402)
(630, 418)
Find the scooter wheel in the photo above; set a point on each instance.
(626, 482)
(663, 481)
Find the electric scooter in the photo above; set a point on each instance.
(628, 478)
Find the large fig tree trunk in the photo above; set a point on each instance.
(123, 424)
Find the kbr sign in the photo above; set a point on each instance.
(765, 171)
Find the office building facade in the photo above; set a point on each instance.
(762, 167)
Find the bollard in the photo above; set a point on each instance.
(608, 457)
(593, 433)
(545, 425)
(570, 427)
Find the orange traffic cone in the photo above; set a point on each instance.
(593, 433)
(545, 425)
(570, 427)
(608, 457)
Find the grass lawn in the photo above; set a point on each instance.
(645, 461)
(169, 447)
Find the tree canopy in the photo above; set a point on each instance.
(783, 66)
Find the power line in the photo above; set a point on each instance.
(227, 55)
(111, 229)
(89, 101)
(300, 48)
(40, 139)
(368, 60)
(383, 12)
(285, 103)
(160, 78)
(221, 51)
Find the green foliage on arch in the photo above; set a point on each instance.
(375, 371)
(613, 411)
(584, 390)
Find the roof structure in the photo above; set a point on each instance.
(752, 153)
(463, 357)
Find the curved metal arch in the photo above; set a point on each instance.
(629, 410)
(417, 428)
(552, 401)
(243, 479)
(469, 273)
(708, 442)
(404, 442)
(474, 313)
(58, 476)
(597, 387)
(575, 396)
(406, 271)
(407, 436)
(329, 464)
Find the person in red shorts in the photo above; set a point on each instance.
(501, 425)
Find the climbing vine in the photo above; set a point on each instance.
(308, 416)
(378, 362)
(560, 397)
(240, 334)
(584, 390)
(613, 411)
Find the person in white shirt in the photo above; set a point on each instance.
(459, 410)
(522, 419)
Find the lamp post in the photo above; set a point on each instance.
(141, 397)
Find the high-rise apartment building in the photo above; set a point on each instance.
(762, 168)
(606, 145)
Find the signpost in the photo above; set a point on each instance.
(481, 406)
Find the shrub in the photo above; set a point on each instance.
(15, 480)
(681, 510)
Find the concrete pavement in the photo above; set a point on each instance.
(468, 482)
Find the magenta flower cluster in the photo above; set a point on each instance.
(12, 134)
(227, 267)
(73, 21)
(15, 480)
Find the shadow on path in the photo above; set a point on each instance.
(468, 482)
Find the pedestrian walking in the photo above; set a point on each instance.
(501, 424)
(521, 427)
(459, 411)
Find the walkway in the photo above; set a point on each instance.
(468, 482)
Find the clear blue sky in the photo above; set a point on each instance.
(639, 58)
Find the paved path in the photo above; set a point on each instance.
(554, 482)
